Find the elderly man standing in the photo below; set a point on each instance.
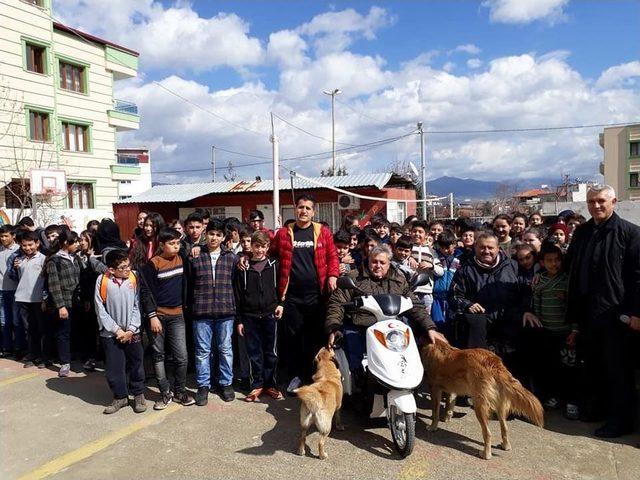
(375, 277)
(604, 283)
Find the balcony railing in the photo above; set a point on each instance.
(125, 107)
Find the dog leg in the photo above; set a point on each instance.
(504, 429)
(323, 424)
(305, 422)
(482, 413)
(338, 421)
(436, 395)
(448, 411)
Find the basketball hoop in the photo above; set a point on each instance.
(48, 182)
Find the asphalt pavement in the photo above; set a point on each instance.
(53, 427)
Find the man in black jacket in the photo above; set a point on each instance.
(604, 283)
(487, 295)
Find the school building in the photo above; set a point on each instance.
(58, 113)
(238, 198)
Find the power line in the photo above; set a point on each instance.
(307, 132)
(315, 156)
(218, 116)
(534, 129)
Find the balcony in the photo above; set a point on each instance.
(124, 116)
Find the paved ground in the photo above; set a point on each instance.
(54, 428)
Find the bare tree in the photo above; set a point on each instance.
(18, 157)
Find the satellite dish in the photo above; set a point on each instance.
(414, 169)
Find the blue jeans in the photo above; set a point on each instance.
(207, 334)
(355, 345)
(14, 337)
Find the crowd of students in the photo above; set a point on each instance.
(208, 294)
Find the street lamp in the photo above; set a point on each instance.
(333, 94)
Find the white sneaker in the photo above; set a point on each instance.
(293, 384)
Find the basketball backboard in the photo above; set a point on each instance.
(48, 181)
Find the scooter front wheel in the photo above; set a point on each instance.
(403, 430)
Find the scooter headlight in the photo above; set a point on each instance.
(394, 340)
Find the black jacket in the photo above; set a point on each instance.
(148, 276)
(612, 286)
(256, 292)
(499, 290)
(395, 282)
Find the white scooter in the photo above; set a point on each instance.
(392, 359)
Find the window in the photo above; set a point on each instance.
(633, 180)
(327, 212)
(80, 195)
(75, 138)
(39, 126)
(72, 77)
(37, 3)
(36, 56)
(634, 149)
(127, 159)
(17, 194)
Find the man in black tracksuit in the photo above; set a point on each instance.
(258, 310)
(604, 283)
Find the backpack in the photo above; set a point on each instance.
(104, 281)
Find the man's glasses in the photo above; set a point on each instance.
(124, 268)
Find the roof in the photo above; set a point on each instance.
(188, 191)
(536, 192)
(93, 38)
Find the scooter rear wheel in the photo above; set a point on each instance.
(403, 430)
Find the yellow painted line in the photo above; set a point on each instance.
(17, 379)
(85, 451)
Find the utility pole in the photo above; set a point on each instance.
(423, 172)
(333, 94)
(451, 205)
(276, 175)
(213, 163)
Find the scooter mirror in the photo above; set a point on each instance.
(419, 280)
(346, 283)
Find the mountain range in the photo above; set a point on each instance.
(468, 188)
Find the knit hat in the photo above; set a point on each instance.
(559, 226)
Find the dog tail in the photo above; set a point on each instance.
(310, 396)
(523, 402)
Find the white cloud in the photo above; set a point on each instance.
(625, 75)
(287, 49)
(525, 11)
(335, 31)
(474, 63)
(512, 92)
(519, 91)
(448, 67)
(167, 38)
(469, 48)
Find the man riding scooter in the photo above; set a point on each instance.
(374, 277)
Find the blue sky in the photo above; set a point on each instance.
(462, 65)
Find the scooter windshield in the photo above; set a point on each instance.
(389, 303)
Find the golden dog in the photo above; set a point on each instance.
(321, 400)
(480, 374)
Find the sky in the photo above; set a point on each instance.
(212, 72)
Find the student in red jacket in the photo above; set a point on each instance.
(308, 269)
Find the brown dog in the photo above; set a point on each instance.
(480, 374)
(321, 400)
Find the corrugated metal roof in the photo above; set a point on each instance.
(188, 191)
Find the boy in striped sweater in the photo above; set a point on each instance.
(163, 296)
(549, 331)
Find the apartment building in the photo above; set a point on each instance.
(133, 171)
(58, 113)
(621, 165)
